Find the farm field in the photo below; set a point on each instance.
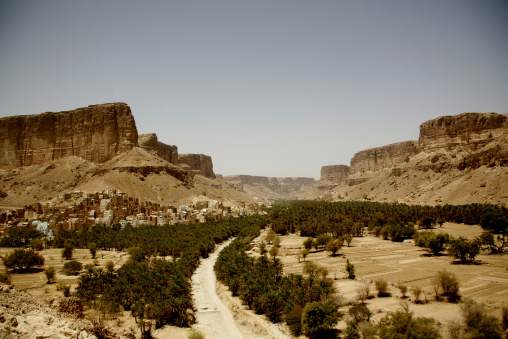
(374, 258)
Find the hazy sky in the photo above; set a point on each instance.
(265, 87)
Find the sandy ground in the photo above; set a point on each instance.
(374, 258)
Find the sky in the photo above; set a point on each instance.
(268, 87)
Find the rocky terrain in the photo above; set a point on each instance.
(96, 148)
(271, 187)
(457, 160)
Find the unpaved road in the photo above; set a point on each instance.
(213, 318)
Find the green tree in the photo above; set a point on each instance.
(493, 220)
(308, 243)
(333, 246)
(23, 260)
(401, 324)
(319, 317)
(478, 323)
(92, 247)
(463, 249)
(72, 267)
(67, 252)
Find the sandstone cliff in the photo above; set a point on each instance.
(198, 164)
(455, 158)
(271, 187)
(333, 174)
(151, 143)
(95, 133)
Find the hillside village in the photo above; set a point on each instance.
(78, 211)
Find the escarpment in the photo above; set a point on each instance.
(199, 164)
(271, 187)
(151, 143)
(96, 133)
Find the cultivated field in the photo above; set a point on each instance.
(374, 258)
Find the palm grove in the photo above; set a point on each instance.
(154, 285)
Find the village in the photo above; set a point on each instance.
(79, 211)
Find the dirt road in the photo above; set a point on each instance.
(218, 314)
(213, 318)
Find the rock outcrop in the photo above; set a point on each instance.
(376, 159)
(151, 143)
(466, 132)
(271, 187)
(96, 133)
(198, 164)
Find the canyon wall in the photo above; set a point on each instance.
(466, 132)
(379, 158)
(95, 133)
(151, 143)
(334, 174)
(282, 185)
(198, 164)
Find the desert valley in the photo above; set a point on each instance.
(407, 235)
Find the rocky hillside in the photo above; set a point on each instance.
(456, 160)
(271, 187)
(96, 148)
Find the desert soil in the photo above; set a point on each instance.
(374, 258)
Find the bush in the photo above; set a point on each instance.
(478, 323)
(23, 260)
(36, 244)
(402, 288)
(5, 278)
(72, 267)
(320, 316)
(433, 242)
(333, 245)
(67, 252)
(382, 288)
(71, 305)
(401, 324)
(195, 334)
(448, 284)
(92, 247)
(350, 269)
(50, 273)
(294, 320)
(463, 249)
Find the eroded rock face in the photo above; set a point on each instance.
(467, 131)
(95, 133)
(198, 164)
(376, 159)
(334, 174)
(151, 143)
(283, 185)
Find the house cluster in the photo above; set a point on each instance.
(78, 211)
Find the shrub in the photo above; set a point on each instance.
(23, 260)
(67, 252)
(5, 278)
(402, 288)
(72, 267)
(307, 244)
(195, 334)
(294, 320)
(401, 324)
(463, 249)
(274, 251)
(363, 292)
(71, 305)
(350, 269)
(449, 285)
(417, 292)
(382, 288)
(36, 244)
(478, 323)
(92, 247)
(110, 266)
(333, 245)
(262, 247)
(320, 316)
(50, 273)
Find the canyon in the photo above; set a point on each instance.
(271, 187)
(453, 160)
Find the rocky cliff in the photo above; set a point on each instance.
(455, 158)
(271, 187)
(198, 164)
(151, 143)
(376, 159)
(95, 133)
